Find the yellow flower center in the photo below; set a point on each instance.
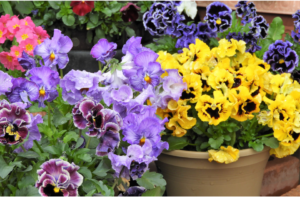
(9, 58)
(218, 21)
(24, 36)
(29, 47)
(17, 53)
(39, 41)
(147, 79)
(42, 92)
(142, 141)
(26, 23)
(15, 26)
(56, 189)
(82, 1)
(281, 61)
(52, 57)
(1, 34)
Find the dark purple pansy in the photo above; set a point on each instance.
(296, 76)
(297, 17)
(130, 12)
(103, 51)
(26, 61)
(109, 140)
(204, 33)
(21, 90)
(218, 16)
(134, 191)
(174, 29)
(281, 57)
(58, 178)
(13, 124)
(47, 80)
(259, 27)
(249, 11)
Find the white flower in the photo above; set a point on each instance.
(189, 7)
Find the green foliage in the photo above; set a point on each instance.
(177, 143)
(265, 43)
(7, 8)
(276, 29)
(164, 43)
(150, 180)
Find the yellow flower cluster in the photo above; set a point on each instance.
(226, 81)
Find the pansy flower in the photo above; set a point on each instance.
(194, 88)
(283, 150)
(130, 12)
(281, 57)
(26, 61)
(6, 83)
(81, 8)
(103, 51)
(134, 191)
(13, 124)
(58, 178)
(218, 16)
(259, 27)
(225, 155)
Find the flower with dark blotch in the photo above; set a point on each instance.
(81, 8)
(21, 90)
(249, 11)
(58, 178)
(26, 61)
(6, 83)
(76, 84)
(259, 27)
(251, 41)
(47, 80)
(296, 34)
(130, 12)
(218, 16)
(34, 133)
(103, 51)
(134, 191)
(174, 29)
(13, 124)
(281, 57)
(204, 33)
(55, 51)
(297, 17)
(296, 76)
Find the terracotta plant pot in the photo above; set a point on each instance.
(189, 173)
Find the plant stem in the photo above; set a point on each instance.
(61, 73)
(49, 115)
(39, 147)
(233, 139)
(100, 65)
(23, 148)
(80, 131)
(105, 67)
(88, 142)
(266, 135)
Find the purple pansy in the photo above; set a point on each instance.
(281, 57)
(146, 72)
(175, 28)
(21, 90)
(13, 124)
(251, 41)
(103, 51)
(204, 33)
(296, 36)
(26, 61)
(297, 17)
(47, 80)
(249, 11)
(58, 178)
(6, 83)
(55, 51)
(134, 191)
(76, 84)
(34, 133)
(188, 36)
(218, 16)
(259, 27)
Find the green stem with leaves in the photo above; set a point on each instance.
(37, 145)
(88, 142)
(61, 73)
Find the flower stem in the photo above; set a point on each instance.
(61, 73)
(100, 65)
(23, 148)
(49, 115)
(105, 67)
(88, 142)
(266, 135)
(39, 147)
(80, 131)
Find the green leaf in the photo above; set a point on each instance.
(100, 33)
(28, 191)
(213, 42)
(103, 167)
(24, 7)
(85, 172)
(89, 36)
(79, 142)
(38, 22)
(177, 143)
(106, 11)
(52, 150)
(35, 108)
(68, 20)
(204, 145)
(272, 142)
(257, 145)
(29, 168)
(216, 143)
(85, 157)
(7, 8)
(150, 180)
(265, 43)
(25, 182)
(288, 37)
(54, 4)
(91, 192)
(276, 29)
(59, 118)
(130, 32)
(94, 18)
(152, 192)
(105, 191)
(83, 19)
(28, 154)
(48, 17)
(5, 169)
(70, 136)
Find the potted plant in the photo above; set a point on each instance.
(237, 103)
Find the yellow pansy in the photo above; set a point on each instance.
(204, 72)
(226, 49)
(265, 118)
(282, 130)
(266, 77)
(225, 155)
(200, 50)
(220, 76)
(194, 88)
(213, 110)
(283, 151)
(184, 56)
(281, 84)
(244, 105)
(167, 61)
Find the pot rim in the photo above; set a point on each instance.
(205, 155)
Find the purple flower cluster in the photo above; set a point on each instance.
(134, 191)
(26, 61)
(281, 57)
(103, 51)
(251, 41)
(55, 51)
(248, 10)
(6, 83)
(296, 34)
(259, 27)
(102, 123)
(58, 178)
(218, 16)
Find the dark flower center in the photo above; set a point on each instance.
(261, 65)
(237, 82)
(11, 133)
(51, 190)
(250, 106)
(281, 117)
(295, 135)
(98, 121)
(255, 92)
(214, 113)
(188, 95)
(137, 169)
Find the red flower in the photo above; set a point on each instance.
(81, 8)
(130, 12)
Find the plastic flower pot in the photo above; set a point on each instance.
(189, 173)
